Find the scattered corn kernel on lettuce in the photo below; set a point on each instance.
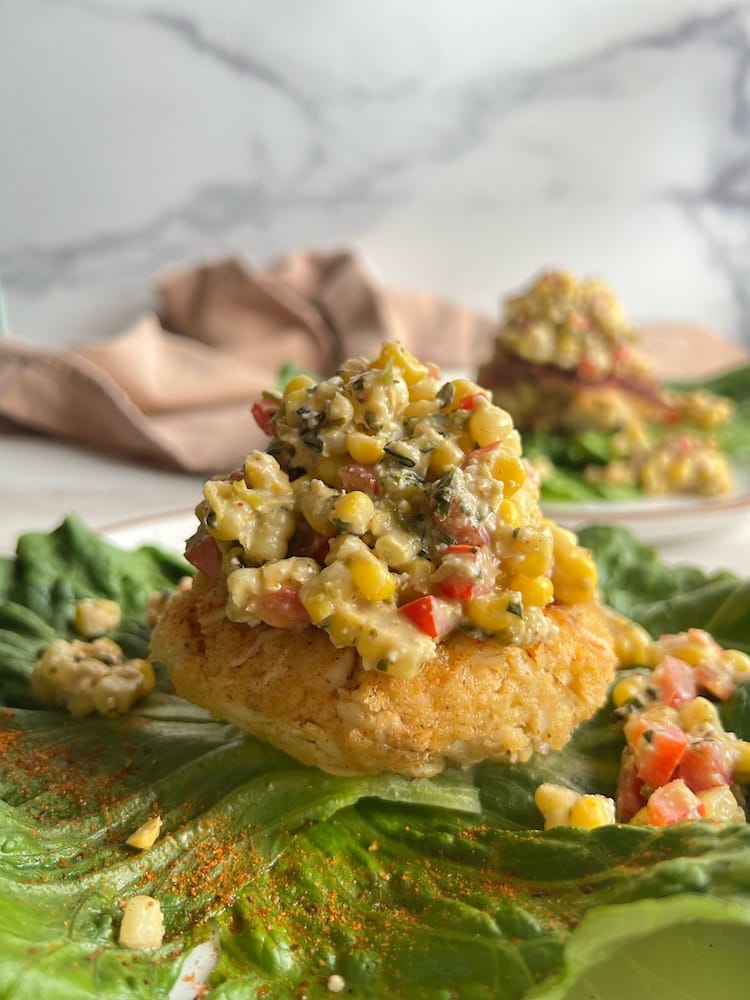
(418, 889)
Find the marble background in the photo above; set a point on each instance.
(459, 147)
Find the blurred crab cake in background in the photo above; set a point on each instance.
(567, 366)
(379, 590)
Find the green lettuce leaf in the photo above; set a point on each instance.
(438, 888)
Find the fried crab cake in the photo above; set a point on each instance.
(475, 700)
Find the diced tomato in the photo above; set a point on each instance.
(675, 681)
(462, 528)
(203, 552)
(433, 616)
(264, 411)
(715, 679)
(705, 765)
(283, 608)
(460, 590)
(432, 369)
(629, 798)
(658, 748)
(466, 579)
(673, 802)
(360, 477)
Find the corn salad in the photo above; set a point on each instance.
(390, 508)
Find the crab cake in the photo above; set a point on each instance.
(379, 590)
(474, 700)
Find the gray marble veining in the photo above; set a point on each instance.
(459, 148)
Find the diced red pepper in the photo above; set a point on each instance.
(470, 583)
(658, 749)
(675, 681)
(435, 617)
(587, 370)
(203, 552)
(283, 608)
(672, 803)
(264, 410)
(477, 453)
(704, 765)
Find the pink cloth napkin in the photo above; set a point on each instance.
(176, 388)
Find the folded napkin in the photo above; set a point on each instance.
(175, 389)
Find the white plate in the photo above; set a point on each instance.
(661, 519)
(169, 531)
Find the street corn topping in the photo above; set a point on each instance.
(390, 508)
(142, 925)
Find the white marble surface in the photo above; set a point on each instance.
(460, 147)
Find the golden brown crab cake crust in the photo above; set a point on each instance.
(476, 700)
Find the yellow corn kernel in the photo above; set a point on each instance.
(413, 371)
(293, 401)
(397, 548)
(632, 642)
(142, 923)
(298, 382)
(146, 834)
(510, 470)
(555, 802)
(510, 513)
(741, 761)
(445, 455)
(738, 663)
(147, 672)
(420, 408)
(700, 712)
(536, 591)
(488, 424)
(721, 805)
(564, 540)
(629, 689)
(372, 579)
(462, 388)
(96, 615)
(590, 811)
(691, 652)
(318, 604)
(424, 391)
(352, 512)
(327, 468)
(365, 448)
(574, 577)
(537, 562)
(491, 613)
(419, 571)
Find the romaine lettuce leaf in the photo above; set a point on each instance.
(421, 889)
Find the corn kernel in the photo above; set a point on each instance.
(536, 591)
(510, 513)
(425, 391)
(628, 690)
(462, 388)
(397, 548)
(641, 818)
(372, 579)
(298, 382)
(511, 471)
(741, 761)
(318, 604)
(721, 805)
(738, 662)
(420, 408)
(691, 652)
(591, 811)
(146, 834)
(353, 512)
(491, 613)
(96, 615)
(538, 561)
(488, 424)
(293, 401)
(555, 802)
(142, 923)
(365, 448)
(700, 712)
(413, 371)
(445, 455)
(574, 577)
(147, 672)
